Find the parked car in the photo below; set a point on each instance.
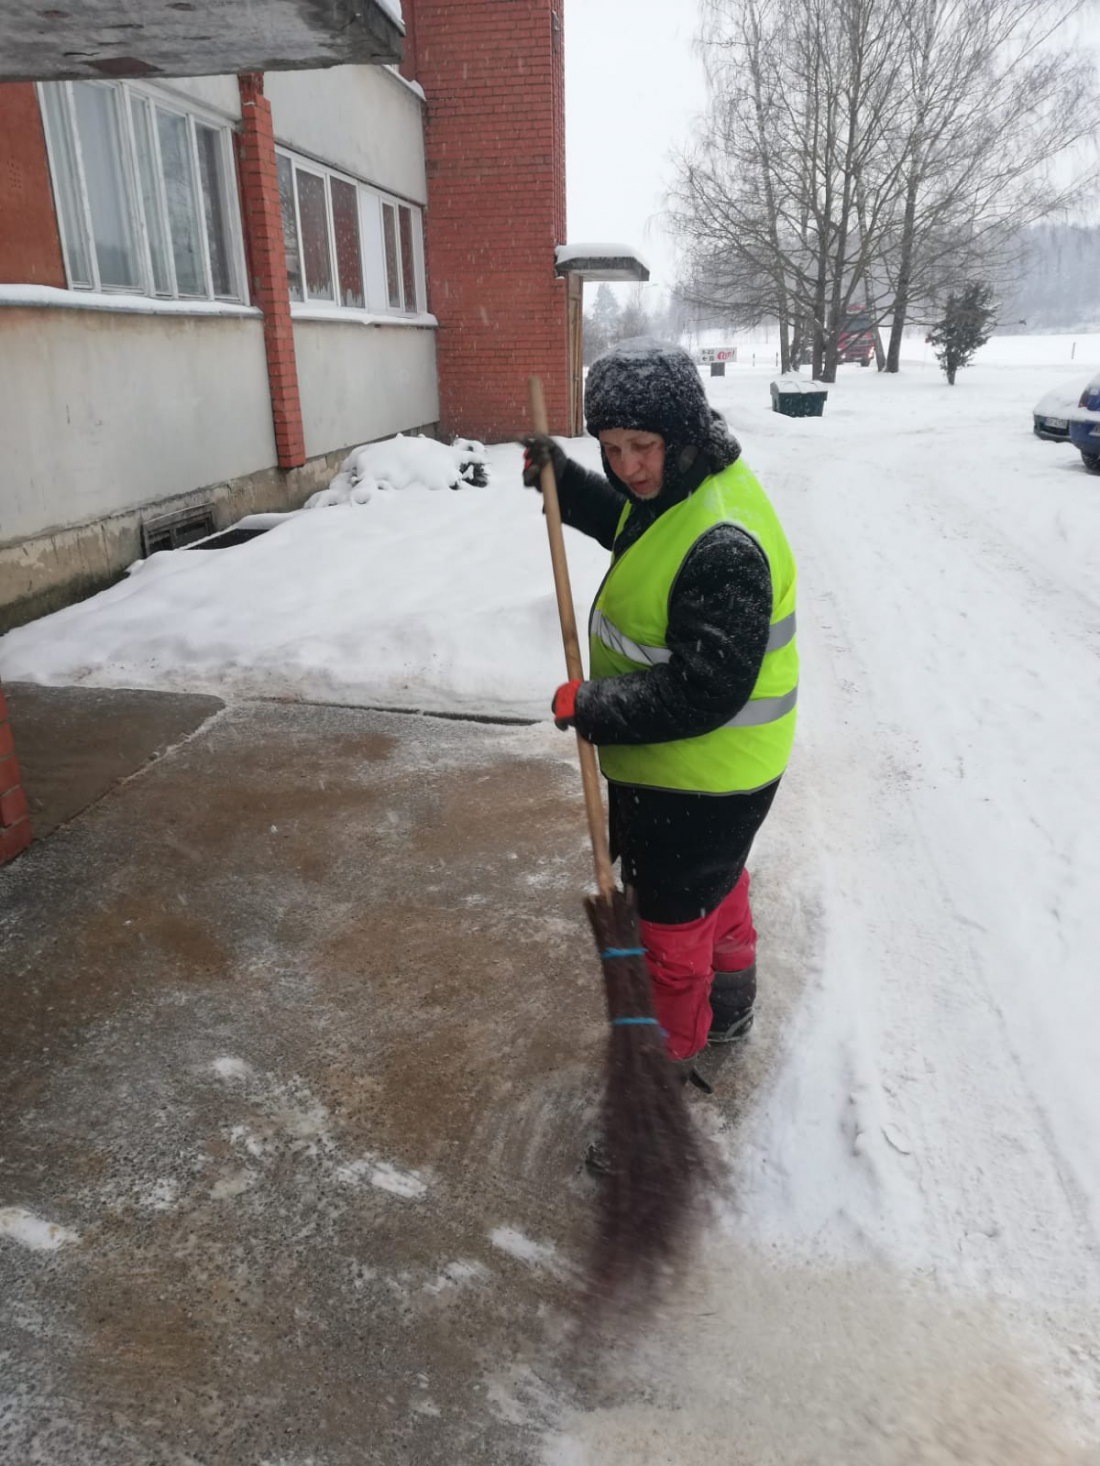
(1053, 412)
(1084, 427)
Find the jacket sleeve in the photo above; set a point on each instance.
(718, 623)
(589, 503)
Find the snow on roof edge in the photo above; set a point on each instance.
(564, 253)
(393, 10)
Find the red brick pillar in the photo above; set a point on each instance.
(493, 72)
(15, 826)
(267, 263)
(30, 247)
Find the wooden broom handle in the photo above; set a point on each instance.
(590, 774)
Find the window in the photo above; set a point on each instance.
(146, 196)
(347, 245)
(349, 255)
(408, 263)
(289, 211)
(399, 225)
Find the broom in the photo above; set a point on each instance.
(652, 1196)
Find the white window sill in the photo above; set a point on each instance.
(144, 305)
(348, 315)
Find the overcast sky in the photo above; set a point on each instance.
(632, 85)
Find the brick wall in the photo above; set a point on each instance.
(493, 73)
(15, 826)
(263, 229)
(30, 249)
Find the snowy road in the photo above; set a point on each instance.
(950, 698)
(930, 873)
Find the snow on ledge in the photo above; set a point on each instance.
(425, 320)
(792, 384)
(393, 10)
(94, 300)
(564, 254)
(412, 86)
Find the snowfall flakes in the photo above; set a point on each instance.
(34, 1232)
(384, 1176)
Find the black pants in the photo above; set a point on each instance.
(683, 853)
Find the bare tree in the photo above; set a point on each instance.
(868, 155)
(766, 202)
(990, 102)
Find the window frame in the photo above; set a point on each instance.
(416, 223)
(125, 95)
(377, 197)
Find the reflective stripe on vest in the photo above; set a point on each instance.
(628, 627)
(599, 626)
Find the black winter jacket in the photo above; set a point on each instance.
(681, 852)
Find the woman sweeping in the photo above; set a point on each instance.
(694, 674)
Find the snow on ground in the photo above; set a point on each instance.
(935, 1108)
(759, 347)
(945, 1074)
(417, 599)
(31, 1231)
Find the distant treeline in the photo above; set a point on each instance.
(1059, 284)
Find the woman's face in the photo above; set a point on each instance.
(637, 458)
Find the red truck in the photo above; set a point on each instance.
(856, 338)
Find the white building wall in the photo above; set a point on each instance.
(362, 382)
(361, 119)
(102, 411)
(220, 93)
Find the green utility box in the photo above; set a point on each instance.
(796, 396)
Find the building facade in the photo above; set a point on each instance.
(211, 287)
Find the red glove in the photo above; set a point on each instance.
(565, 704)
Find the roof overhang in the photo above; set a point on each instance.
(53, 40)
(614, 262)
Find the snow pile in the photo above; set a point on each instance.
(404, 463)
(447, 611)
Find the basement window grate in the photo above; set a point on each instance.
(174, 531)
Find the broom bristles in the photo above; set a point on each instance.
(654, 1198)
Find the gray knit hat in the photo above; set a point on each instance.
(655, 387)
(650, 385)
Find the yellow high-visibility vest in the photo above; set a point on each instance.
(627, 633)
